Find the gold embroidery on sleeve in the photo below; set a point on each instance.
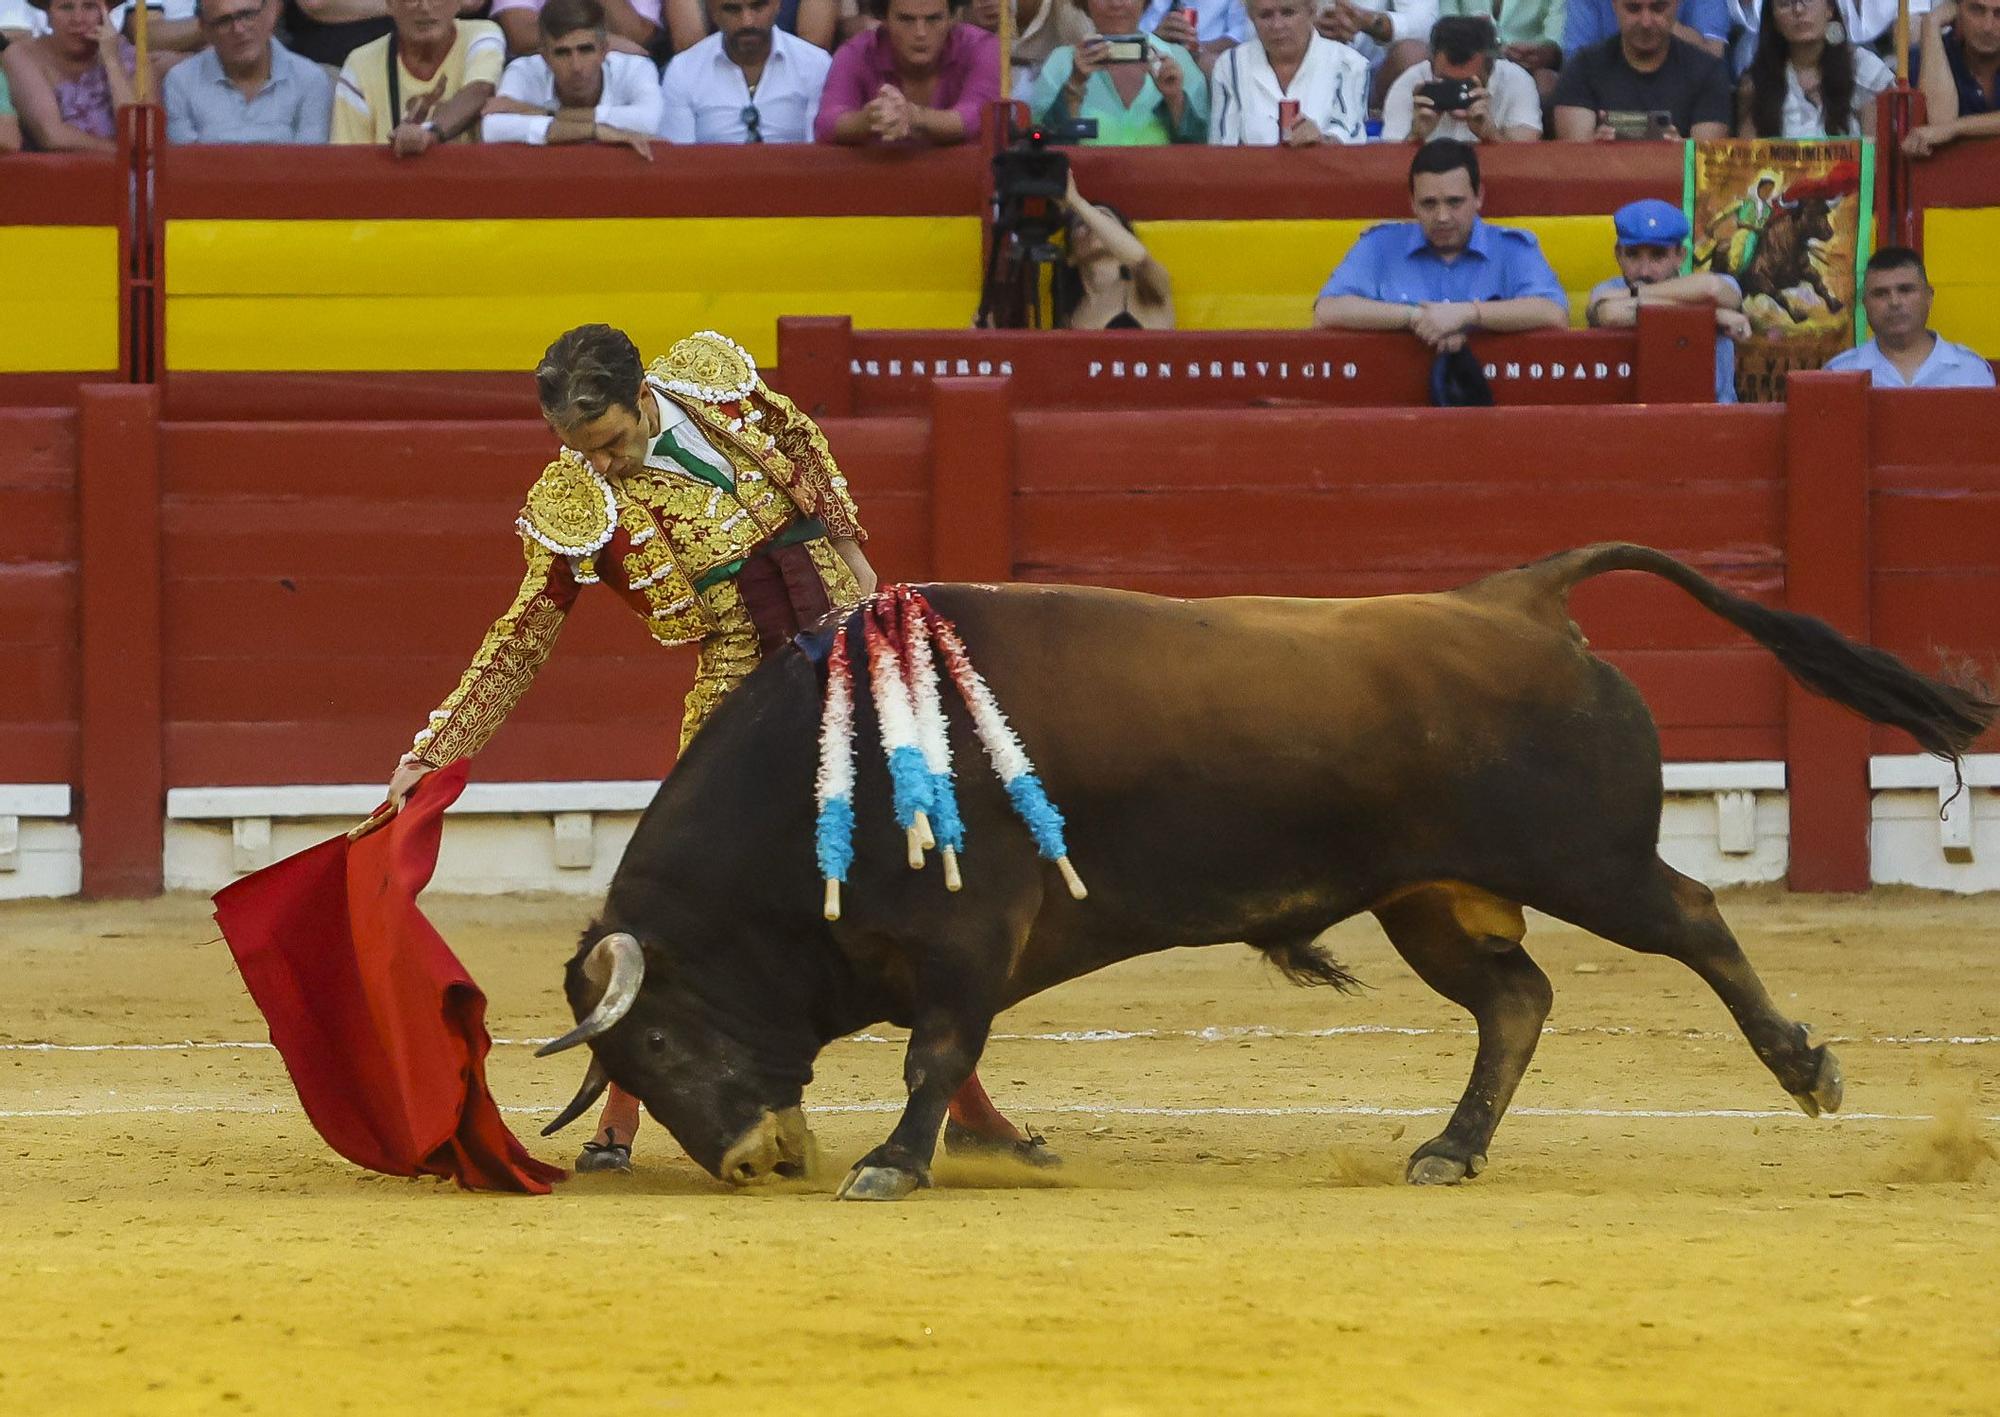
(818, 478)
(516, 646)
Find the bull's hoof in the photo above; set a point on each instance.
(1827, 1089)
(879, 1183)
(1031, 1150)
(1441, 1168)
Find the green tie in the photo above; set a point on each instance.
(670, 445)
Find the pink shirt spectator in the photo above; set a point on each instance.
(968, 77)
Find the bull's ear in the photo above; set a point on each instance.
(616, 966)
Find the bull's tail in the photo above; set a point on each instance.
(1944, 718)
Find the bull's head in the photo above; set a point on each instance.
(712, 1086)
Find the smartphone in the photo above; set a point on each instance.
(1634, 125)
(1448, 95)
(1124, 48)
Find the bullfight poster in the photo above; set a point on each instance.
(1790, 220)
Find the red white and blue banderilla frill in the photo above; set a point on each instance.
(904, 636)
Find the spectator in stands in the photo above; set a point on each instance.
(1447, 274)
(1391, 35)
(1502, 106)
(10, 123)
(576, 90)
(634, 26)
(69, 83)
(1325, 83)
(1704, 24)
(1645, 68)
(749, 82)
(921, 76)
(814, 21)
(246, 87)
(1109, 280)
(327, 31)
(422, 84)
(172, 27)
(1805, 83)
(1039, 27)
(1905, 353)
(1651, 245)
(1140, 92)
(1218, 25)
(1531, 33)
(1959, 75)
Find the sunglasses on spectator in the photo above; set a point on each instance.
(751, 120)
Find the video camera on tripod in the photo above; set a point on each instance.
(1030, 180)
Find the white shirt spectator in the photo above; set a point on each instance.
(1511, 98)
(1802, 115)
(1331, 88)
(631, 98)
(1947, 366)
(704, 94)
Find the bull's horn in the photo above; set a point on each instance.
(616, 964)
(595, 1080)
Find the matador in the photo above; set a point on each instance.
(712, 507)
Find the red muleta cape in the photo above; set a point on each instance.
(383, 1031)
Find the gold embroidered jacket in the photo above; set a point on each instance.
(666, 541)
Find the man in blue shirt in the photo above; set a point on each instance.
(1699, 22)
(1652, 243)
(1905, 354)
(245, 87)
(1447, 274)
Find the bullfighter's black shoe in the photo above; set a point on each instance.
(1030, 1150)
(604, 1156)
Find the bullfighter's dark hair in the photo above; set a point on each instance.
(1459, 38)
(1768, 82)
(588, 372)
(1441, 155)
(561, 17)
(1897, 258)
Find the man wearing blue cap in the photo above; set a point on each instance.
(1651, 247)
(1447, 274)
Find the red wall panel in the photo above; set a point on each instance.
(38, 595)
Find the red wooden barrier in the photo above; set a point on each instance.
(123, 796)
(38, 591)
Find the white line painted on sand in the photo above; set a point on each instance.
(1213, 1034)
(1113, 1109)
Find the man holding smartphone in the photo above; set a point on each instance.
(1643, 82)
(1465, 90)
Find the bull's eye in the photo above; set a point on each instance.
(657, 1041)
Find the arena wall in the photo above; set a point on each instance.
(1957, 196)
(59, 306)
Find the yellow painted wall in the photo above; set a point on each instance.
(59, 302)
(1959, 247)
(325, 295)
(1265, 274)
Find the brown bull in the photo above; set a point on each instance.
(1232, 770)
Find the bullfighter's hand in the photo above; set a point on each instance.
(409, 772)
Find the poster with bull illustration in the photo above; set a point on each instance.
(1791, 222)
